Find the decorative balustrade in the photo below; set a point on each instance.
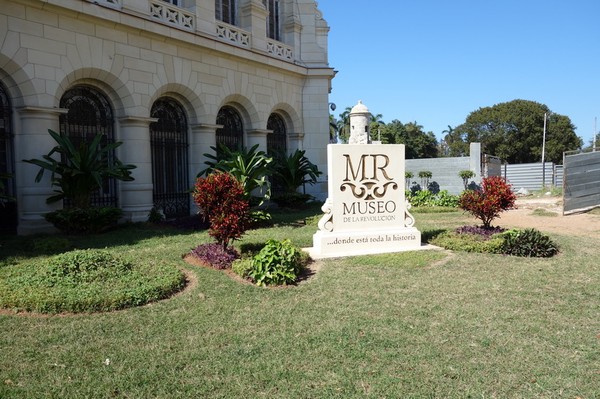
(172, 15)
(280, 50)
(233, 34)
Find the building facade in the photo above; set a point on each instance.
(169, 79)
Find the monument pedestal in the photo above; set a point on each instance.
(352, 243)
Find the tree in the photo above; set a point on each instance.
(418, 143)
(454, 143)
(343, 124)
(513, 131)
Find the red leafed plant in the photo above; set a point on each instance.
(486, 204)
(220, 198)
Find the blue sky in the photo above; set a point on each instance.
(436, 61)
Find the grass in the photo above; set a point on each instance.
(543, 212)
(412, 325)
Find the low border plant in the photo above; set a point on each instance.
(277, 263)
(84, 281)
(495, 240)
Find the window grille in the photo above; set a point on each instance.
(90, 113)
(8, 209)
(277, 140)
(169, 143)
(232, 133)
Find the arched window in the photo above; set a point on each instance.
(226, 11)
(169, 143)
(277, 140)
(232, 133)
(273, 24)
(90, 113)
(8, 207)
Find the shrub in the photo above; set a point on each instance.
(215, 255)
(468, 242)
(294, 170)
(221, 200)
(249, 166)
(465, 175)
(85, 265)
(84, 220)
(430, 199)
(279, 262)
(242, 267)
(486, 204)
(80, 170)
(529, 243)
(292, 200)
(86, 281)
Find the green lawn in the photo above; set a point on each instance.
(409, 325)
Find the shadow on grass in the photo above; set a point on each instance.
(23, 247)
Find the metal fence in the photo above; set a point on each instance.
(581, 181)
(532, 176)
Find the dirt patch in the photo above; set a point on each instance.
(545, 214)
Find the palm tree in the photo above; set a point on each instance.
(343, 124)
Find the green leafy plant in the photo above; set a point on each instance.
(279, 262)
(294, 170)
(486, 204)
(220, 197)
(529, 243)
(426, 198)
(465, 175)
(250, 167)
(86, 281)
(84, 220)
(80, 170)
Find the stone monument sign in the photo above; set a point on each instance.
(366, 211)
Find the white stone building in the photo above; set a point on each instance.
(169, 79)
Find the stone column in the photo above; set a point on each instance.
(33, 141)
(253, 18)
(136, 196)
(296, 141)
(204, 136)
(257, 136)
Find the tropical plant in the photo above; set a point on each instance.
(80, 170)
(494, 196)
(529, 243)
(294, 170)
(279, 262)
(250, 167)
(220, 197)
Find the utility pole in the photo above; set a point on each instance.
(544, 154)
(595, 134)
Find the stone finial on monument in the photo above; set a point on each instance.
(366, 211)
(359, 124)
